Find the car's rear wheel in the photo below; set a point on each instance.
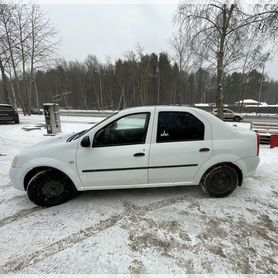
(50, 188)
(237, 119)
(220, 181)
(16, 121)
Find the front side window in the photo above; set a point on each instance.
(128, 130)
(179, 126)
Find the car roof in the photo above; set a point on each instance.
(174, 107)
(166, 107)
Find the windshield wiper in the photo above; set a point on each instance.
(79, 134)
(71, 137)
(76, 135)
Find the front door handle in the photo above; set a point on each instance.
(139, 154)
(204, 150)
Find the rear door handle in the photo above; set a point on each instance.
(204, 150)
(139, 154)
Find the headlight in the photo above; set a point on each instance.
(14, 162)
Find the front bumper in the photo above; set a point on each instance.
(17, 177)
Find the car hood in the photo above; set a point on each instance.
(61, 138)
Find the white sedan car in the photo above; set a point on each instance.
(229, 115)
(139, 147)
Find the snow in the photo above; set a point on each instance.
(208, 105)
(159, 230)
(254, 103)
(202, 104)
(247, 101)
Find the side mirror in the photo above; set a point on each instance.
(85, 142)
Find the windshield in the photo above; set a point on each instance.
(101, 122)
(79, 134)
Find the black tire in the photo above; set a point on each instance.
(50, 188)
(220, 181)
(16, 121)
(237, 119)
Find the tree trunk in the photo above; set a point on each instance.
(220, 77)
(5, 83)
(220, 65)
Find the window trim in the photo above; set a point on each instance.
(127, 144)
(181, 140)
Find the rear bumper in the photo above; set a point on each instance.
(248, 165)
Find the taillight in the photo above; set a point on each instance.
(258, 143)
(16, 113)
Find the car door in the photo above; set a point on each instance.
(119, 153)
(181, 144)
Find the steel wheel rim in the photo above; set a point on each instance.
(221, 181)
(52, 189)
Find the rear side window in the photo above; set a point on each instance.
(179, 126)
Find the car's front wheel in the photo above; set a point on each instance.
(220, 181)
(50, 188)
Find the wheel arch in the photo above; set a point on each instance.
(35, 170)
(238, 170)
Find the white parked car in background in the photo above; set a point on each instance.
(229, 115)
(139, 147)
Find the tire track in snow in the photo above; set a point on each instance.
(19, 215)
(14, 198)
(20, 263)
(129, 211)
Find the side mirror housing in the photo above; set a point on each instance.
(85, 142)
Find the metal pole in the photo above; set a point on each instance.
(158, 86)
(36, 94)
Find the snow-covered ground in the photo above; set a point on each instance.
(162, 230)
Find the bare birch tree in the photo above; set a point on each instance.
(216, 30)
(28, 43)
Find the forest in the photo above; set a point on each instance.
(145, 80)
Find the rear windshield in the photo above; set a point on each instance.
(6, 108)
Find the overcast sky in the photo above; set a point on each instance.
(111, 30)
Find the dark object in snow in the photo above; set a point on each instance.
(32, 127)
